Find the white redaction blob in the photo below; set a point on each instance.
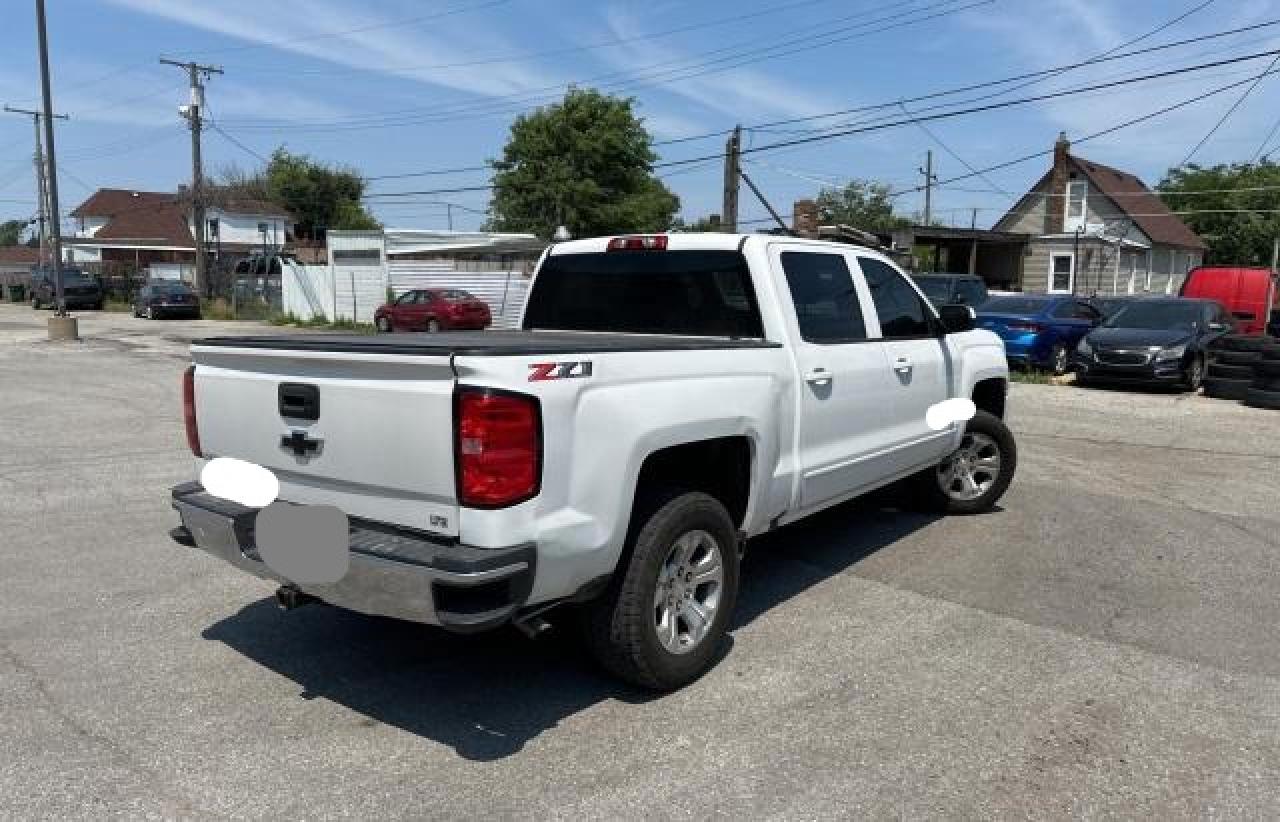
(239, 481)
(942, 414)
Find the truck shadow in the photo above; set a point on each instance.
(487, 695)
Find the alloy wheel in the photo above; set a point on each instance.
(687, 595)
(972, 469)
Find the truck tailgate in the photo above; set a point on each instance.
(380, 447)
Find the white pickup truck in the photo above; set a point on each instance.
(667, 398)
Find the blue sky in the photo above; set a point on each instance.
(397, 86)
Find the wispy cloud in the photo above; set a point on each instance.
(310, 27)
(742, 93)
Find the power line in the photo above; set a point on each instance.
(1054, 70)
(533, 55)
(946, 115)
(1265, 142)
(1243, 96)
(990, 107)
(737, 59)
(213, 125)
(1051, 71)
(1109, 130)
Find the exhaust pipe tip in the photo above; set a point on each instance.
(288, 598)
(533, 627)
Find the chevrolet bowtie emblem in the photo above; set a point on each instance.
(300, 444)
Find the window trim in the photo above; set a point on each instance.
(1070, 223)
(1071, 276)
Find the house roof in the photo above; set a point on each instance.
(1139, 204)
(159, 220)
(19, 254)
(107, 202)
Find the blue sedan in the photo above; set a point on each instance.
(1039, 331)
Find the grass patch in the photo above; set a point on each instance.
(1031, 376)
(321, 322)
(119, 306)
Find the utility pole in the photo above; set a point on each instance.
(42, 207)
(929, 179)
(61, 327)
(448, 210)
(732, 169)
(1275, 257)
(973, 219)
(194, 113)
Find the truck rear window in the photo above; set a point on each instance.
(684, 293)
(689, 293)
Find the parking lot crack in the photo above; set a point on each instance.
(177, 805)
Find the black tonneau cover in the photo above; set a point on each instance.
(483, 343)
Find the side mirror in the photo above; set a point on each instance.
(957, 318)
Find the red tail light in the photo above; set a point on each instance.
(189, 409)
(1031, 328)
(651, 242)
(498, 448)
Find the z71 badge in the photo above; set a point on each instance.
(559, 370)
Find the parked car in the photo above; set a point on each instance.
(79, 290)
(166, 298)
(1156, 340)
(434, 309)
(960, 289)
(1039, 331)
(1110, 305)
(1248, 293)
(668, 397)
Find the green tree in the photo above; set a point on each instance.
(702, 224)
(860, 204)
(585, 163)
(319, 197)
(1238, 225)
(11, 231)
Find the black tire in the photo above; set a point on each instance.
(1231, 372)
(620, 625)
(1238, 357)
(929, 485)
(1267, 368)
(1059, 360)
(1263, 399)
(1193, 374)
(433, 326)
(1225, 389)
(384, 325)
(35, 303)
(1266, 384)
(1240, 342)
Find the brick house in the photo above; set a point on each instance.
(1092, 228)
(153, 230)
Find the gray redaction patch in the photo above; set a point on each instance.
(306, 544)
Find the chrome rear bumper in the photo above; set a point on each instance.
(394, 572)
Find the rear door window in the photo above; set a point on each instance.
(822, 292)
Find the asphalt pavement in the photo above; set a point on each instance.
(1104, 644)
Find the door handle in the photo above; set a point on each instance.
(902, 364)
(818, 376)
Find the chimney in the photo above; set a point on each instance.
(804, 218)
(1056, 208)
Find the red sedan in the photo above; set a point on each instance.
(434, 309)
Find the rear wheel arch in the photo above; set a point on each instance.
(719, 466)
